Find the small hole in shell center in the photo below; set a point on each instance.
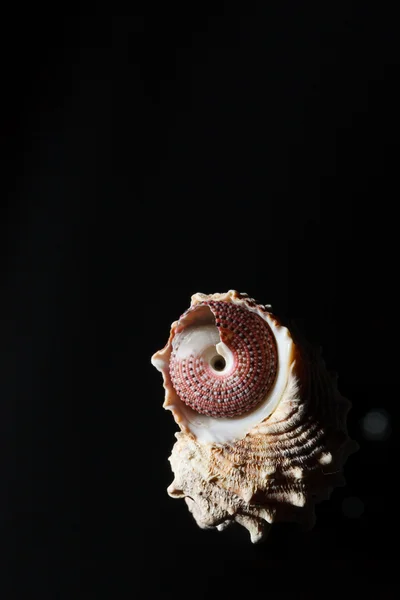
(218, 363)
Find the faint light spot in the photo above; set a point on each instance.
(353, 507)
(297, 499)
(376, 425)
(297, 473)
(325, 458)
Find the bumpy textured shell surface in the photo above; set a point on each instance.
(263, 433)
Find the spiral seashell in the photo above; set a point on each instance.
(263, 426)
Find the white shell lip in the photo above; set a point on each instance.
(228, 430)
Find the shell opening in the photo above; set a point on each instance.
(218, 423)
(218, 363)
(224, 359)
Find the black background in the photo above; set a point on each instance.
(148, 157)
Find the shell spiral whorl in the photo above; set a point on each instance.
(219, 387)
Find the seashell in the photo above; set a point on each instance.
(262, 424)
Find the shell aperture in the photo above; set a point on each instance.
(225, 369)
(263, 427)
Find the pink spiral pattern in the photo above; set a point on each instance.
(241, 388)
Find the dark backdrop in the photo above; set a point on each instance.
(148, 157)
